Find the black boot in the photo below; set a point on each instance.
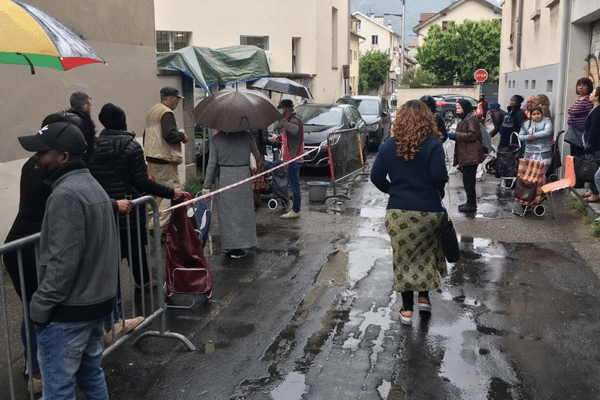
(467, 208)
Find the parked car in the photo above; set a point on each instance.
(446, 105)
(376, 113)
(322, 119)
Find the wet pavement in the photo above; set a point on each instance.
(311, 314)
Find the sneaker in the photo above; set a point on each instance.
(405, 316)
(291, 214)
(37, 386)
(130, 324)
(424, 304)
(237, 253)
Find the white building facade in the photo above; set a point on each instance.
(382, 38)
(306, 41)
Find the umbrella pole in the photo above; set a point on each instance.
(28, 62)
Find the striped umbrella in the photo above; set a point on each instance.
(30, 36)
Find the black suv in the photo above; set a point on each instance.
(446, 104)
(376, 113)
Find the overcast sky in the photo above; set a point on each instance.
(414, 8)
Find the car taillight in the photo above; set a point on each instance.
(440, 103)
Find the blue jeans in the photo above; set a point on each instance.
(293, 173)
(71, 353)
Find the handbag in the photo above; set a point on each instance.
(574, 136)
(507, 159)
(585, 168)
(448, 239)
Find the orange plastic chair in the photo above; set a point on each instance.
(567, 182)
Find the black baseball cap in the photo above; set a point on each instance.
(170, 91)
(63, 136)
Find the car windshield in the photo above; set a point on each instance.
(327, 116)
(365, 106)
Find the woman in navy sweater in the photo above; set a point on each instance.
(411, 168)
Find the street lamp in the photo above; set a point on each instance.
(403, 30)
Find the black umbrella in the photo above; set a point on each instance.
(236, 110)
(282, 85)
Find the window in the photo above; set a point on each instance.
(549, 85)
(444, 25)
(533, 84)
(167, 41)
(355, 54)
(509, 84)
(295, 54)
(334, 37)
(262, 42)
(374, 40)
(358, 25)
(526, 84)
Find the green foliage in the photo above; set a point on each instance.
(373, 70)
(193, 186)
(456, 53)
(418, 78)
(578, 208)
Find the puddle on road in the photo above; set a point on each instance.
(292, 388)
(380, 317)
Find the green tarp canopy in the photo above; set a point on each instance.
(214, 67)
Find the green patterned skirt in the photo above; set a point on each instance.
(418, 257)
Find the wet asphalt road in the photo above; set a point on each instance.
(311, 314)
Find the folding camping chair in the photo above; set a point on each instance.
(567, 182)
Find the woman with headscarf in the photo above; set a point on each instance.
(578, 112)
(528, 106)
(497, 115)
(512, 123)
(468, 151)
(410, 166)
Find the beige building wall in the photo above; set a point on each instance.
(467, 10)
(354, 56)
(310, 23)
(123, 34)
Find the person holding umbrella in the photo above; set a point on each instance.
(228, 163)
(292, 144)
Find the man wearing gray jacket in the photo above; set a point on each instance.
(77, 266)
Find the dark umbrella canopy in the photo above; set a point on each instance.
(282, 85)
(236, 110)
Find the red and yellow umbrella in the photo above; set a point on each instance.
(30, 36)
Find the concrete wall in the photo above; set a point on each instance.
(123, 34)
(530, 82)
(220, 24)
(471, 10)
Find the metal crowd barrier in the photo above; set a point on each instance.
(345, 153)
(148, 302)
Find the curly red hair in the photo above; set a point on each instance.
(413, 123)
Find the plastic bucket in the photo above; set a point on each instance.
(317, 191)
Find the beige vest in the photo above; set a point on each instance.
(154, 144)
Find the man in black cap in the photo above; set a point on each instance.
(77, 266)
(292, 145)
(162, 146)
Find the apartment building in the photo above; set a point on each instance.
(547, 45)
(306, 41)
